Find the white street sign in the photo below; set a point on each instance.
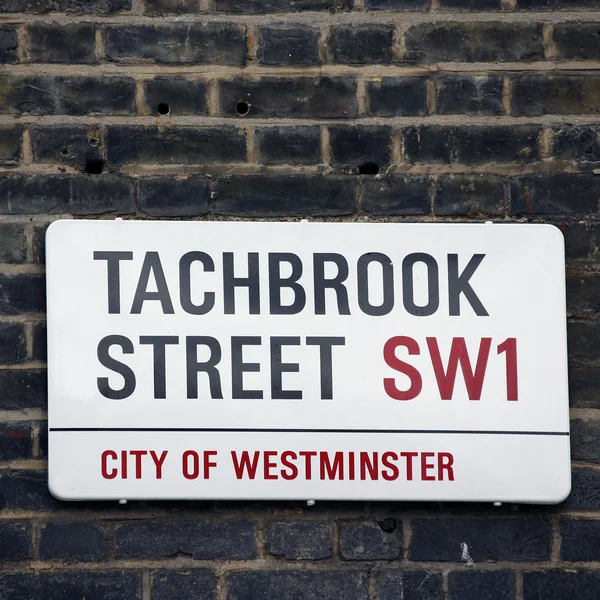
(227, 360)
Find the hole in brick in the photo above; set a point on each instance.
(94, 166)
(93, 141)
(242, 108)
(65, 152)
(388, 525)
(369, 168)
(163, 108)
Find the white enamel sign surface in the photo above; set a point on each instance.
(197, 360)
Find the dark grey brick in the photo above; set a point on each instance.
(486, 539)
(170, 7)
(278, 6)
(583, 341)
(183, 96)
(283, 195)
(74, 194)
(16, 541)
(22, 294)
(177, 43)
(15, 443)
(75, 541)
(366, 540)
(203, 540)
(8, 44)
(53, 43)
(471, 4)
(43, 440)
(534, 95)
(583, 294)
(354, 146)
(171, 197)
(70, 6)
(39, 245)
(470, 95)
(292, 585)
(585, 489)
(585, 440)
(22, 389)
(577, 40)
(396, 195)
(397, 4)
(25, 490)
(77, 96)
(474, 42)
(582, 240)
(580, 540)
(555, 4)
(13, 243)
(283, 44)
(469, 195)
(72, 585)
(132, 144)
(470, 145)
(560, 584)
(13, 343)
(584, 387)
(39, 341)
(302, 97)
(299, 540)
(393, 584)
(481, 585)
(71, 145)
(193, 585)
(397, 97)
(568, 194)
(289, 145)
(10, 145)
(576, 143)
(361, 44)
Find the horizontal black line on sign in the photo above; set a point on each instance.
(251, 430)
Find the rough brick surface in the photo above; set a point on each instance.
(13, 343)
(183, 96)
(415, 585)
(170, 197)
(557, 584)
(10, 145)
(368, 44)
(463, 94)
(192, 585)
(13, 243)
(299, 540)
(367, 540)
(397, 195)
(397, 97)
(72, 542)
(16, 540)
(74, 43)
(15, 443)
(289, 145)
(8, 44)
(469, 195)
(288, 45)
(482, 585)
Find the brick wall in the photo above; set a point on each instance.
(385, 110)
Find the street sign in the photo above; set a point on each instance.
(307, 361)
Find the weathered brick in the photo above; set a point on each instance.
(10, 145)
(582, 240)
(74, 194)
(559, 584)
(352, 147)
(481, 585)
(580, 540)
(303, 97)
(15, 443)
(583, 294)
(75, 541)
(291, 585)
(563, 193)
(77, 96)
(469, 95)
(474, 42)
(361, 44)
(277, 6)
(177, 43)
(577, 40)
(22, 389)
(131, 144)
(577, 143)
(53, 43)
(16, 541)
(182, 96)
(397, 97)
(39, 245)
(43, 435)
(583, 341)
(288, 145)
(584, 387)
(170, 7)
(555, 4)
(71, 6)
(585, 489)
(469, 195)
(470, 145)
(72, 585)
(22, 294)
(396, 195)
(283, 44)
(483, 539)
(397, 4)
(13, 243)
(203, 540)
(13, 343)
(193, 585)
(471, 4)
(392, 584)
(283, 195)
(171, 197)
(534, 95)
(39, 341)
(8, 44)
(24, 490)
(299, 540)
(585, 440)
(366, 540)
(71, 145)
